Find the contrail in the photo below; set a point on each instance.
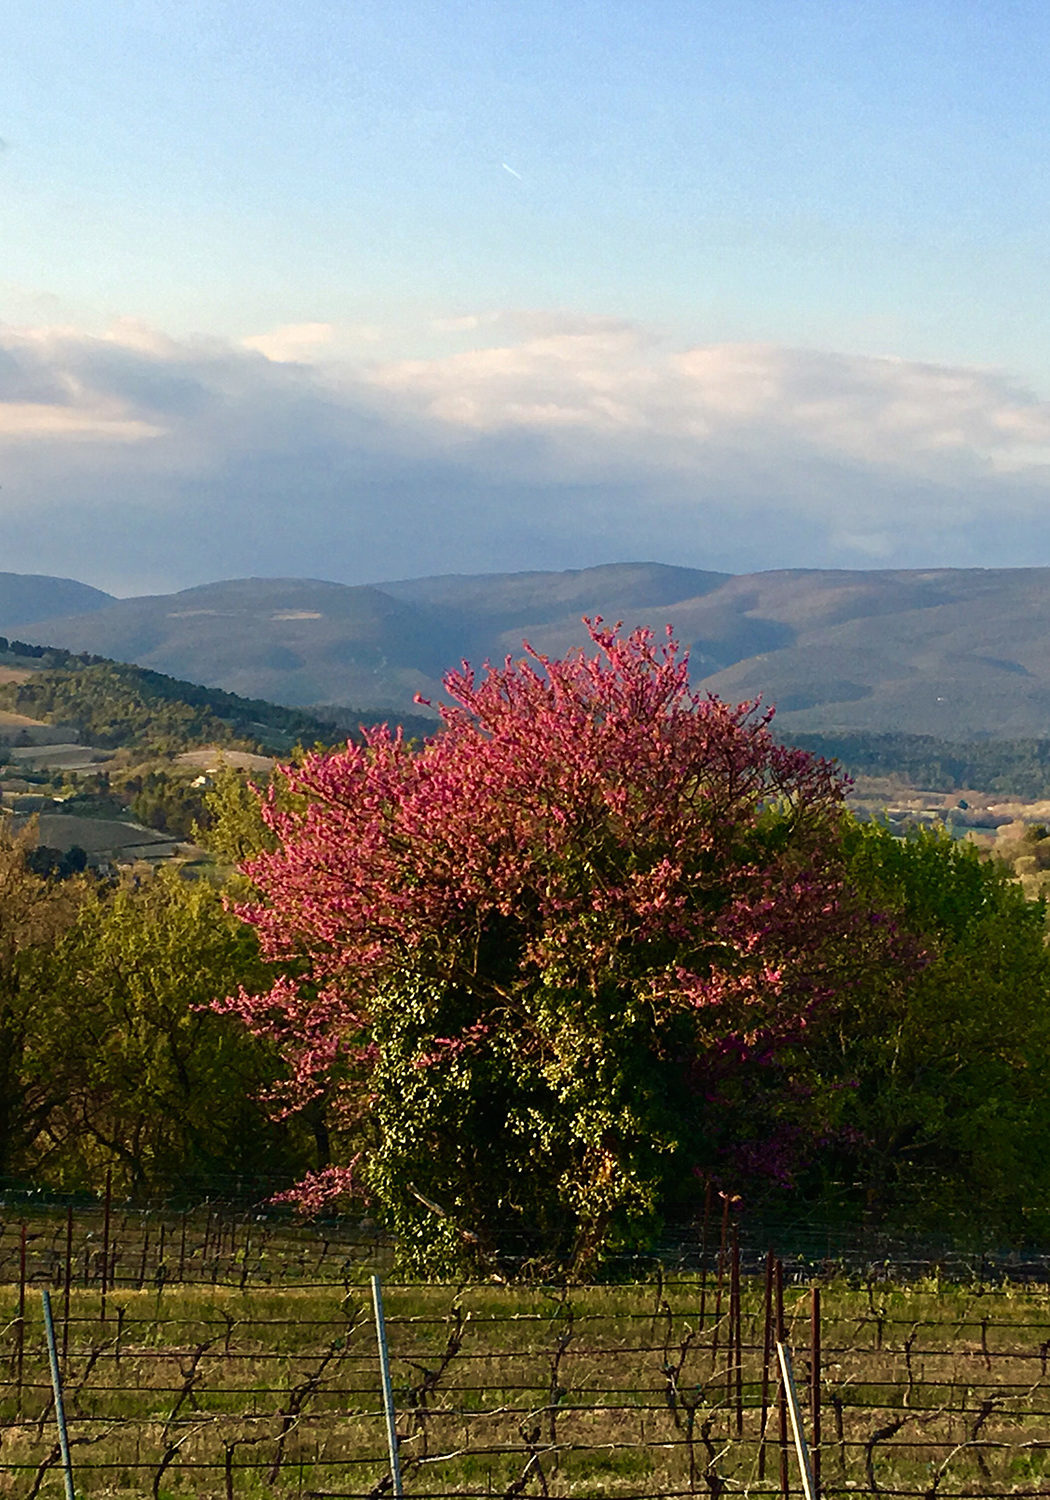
(512, 171)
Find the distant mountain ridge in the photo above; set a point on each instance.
(954, 653)
(25, 597)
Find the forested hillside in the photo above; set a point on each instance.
(113, 704)
(1017, 768)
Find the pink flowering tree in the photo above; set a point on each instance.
(553, 969)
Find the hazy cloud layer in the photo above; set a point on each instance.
(136, 462)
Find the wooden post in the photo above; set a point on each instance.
(736, 1334)
(721, 1281)
(731, 1336)
(106, 1215)
(68, 1283)
(767, 1355)
(245, 1254)
(20, 1334)
(703, 1254)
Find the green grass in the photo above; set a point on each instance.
(260, 1375)
(493, 1383)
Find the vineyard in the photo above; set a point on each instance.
(213, 1354)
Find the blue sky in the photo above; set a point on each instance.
(418, 205)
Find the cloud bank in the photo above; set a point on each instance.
(137, 462)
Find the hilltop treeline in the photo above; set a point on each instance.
(1017, 768)
(111, 706)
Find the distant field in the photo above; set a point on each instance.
(119, 837)
(55, 757)
(211, 756)
(968, 810)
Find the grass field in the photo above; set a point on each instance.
(255, 1372)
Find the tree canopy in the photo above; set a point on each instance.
(111, 1057)
(943, 1111)
(552, 969)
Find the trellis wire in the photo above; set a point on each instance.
(733, 1322)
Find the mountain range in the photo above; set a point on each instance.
(955, 653)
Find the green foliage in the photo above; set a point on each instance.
(1017, 768)
(110, 1055)
(490, 1156)
(166, 801)
(56, 864)
(140, 1075)
(944, 1077)
(34, 912)
(231, 822)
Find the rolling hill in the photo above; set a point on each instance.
(958, 654)
(293, 641)
(35, 596)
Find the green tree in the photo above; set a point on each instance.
(34, 913)
(232, 826)
(942, 1077)
(553, 967)
(155, 1084)
(169, 802)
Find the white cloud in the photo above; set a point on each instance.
(293, 341)
(615, 383)
(467, 323)
(553, 441)
(31, 421)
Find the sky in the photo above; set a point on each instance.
(372, 290)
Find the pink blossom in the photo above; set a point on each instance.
(593, 823)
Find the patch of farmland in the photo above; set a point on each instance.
(18, 729)
(57, 757)
(123, 842)
(211, 757)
